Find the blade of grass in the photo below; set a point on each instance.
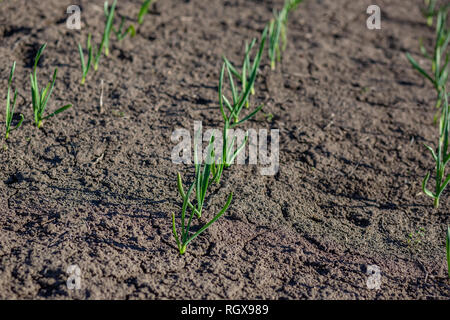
(40, 99)
(206, 226)
(104, 45)
(85, 67)
(10, 107)
(144, 10)
(67, 106)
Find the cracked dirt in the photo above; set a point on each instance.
(97, 189)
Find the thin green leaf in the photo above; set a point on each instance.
(251, 115)
(83, 65)
(443, 186)
(57, 111)
(144, 10)
(419, 68)
(239, 149)
(19, 123)
(206, 226)
(38, 55)
(175, 233)
(46, 96)
(222, 73)
(432, 152)
(424, 186)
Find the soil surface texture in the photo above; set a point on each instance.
(96, 187)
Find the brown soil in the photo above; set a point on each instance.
(97, 189)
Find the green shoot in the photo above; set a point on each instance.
(210, 171)
(429, 12)
(239, 99)
(10, 107)
(441, 158)
(109, 24)
(438, 76)
(120, 33)
(439, 66)
(246, 69)
(85, 67)
(40, 98)
(268, 116)
(275, 26)
(448, 250)
(144, 10)
(231, 109)
(106, 34)
(289, 5)
(416, 237)
(278, 30)
(200, 184)
(292, 5)
(202, 177)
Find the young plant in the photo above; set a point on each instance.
(246, 69)
(448, 250)
(417, 236)
(11, 106)
(441, 157)
(239, 99)
(275, 29)
(203, 177)
(439, 66)
(120, 33)
(201, 183)
(289, 5)
(109, 24)
(40, 98)
(85, 67)
(144, 10)
(231, 109)
(429, 12)
(438, 77)
(278, 31)
(104, 45)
